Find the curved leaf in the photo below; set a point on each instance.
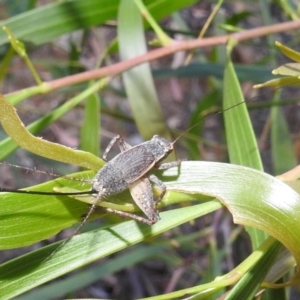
(21, 135)
(253, 197)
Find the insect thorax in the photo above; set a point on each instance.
(159, 147)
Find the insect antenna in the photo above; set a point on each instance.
(34, 170)
(214, 114)
(42, 193)
(46, 173)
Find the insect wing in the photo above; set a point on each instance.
(134, 162)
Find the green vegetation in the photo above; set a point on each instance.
(69, 66)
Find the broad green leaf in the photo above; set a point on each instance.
(253, 197)
(236, 186)
(55, 19)
(38, 268)
(54, 212)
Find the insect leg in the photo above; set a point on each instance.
(91, 210)
(110, 145)
(131, 216)
(161, 185)
(168, 165)
(158, 182)
(122, 145)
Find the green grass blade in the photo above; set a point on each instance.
(86, 248)
(138, 81)
(50, 21)
(254, 198)
(283, 153)
(87, 277)
(249, 285)
(90, 135)
(241, 140)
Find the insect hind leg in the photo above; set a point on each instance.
(161, 185)
(130, 216)
(168, 165)
(158, 182)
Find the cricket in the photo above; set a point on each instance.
(130, 169)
